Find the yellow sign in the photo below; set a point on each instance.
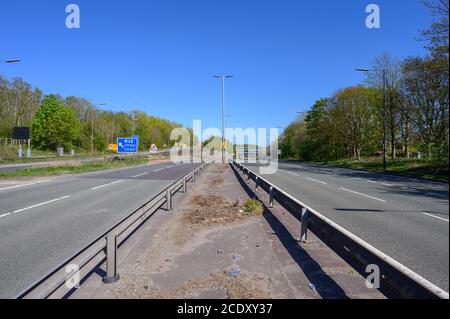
(113, 147)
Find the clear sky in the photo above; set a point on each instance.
(160, 55)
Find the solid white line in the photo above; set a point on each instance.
(41, 204)
(315, 180)
(348, 190)
(109, 184)
(140, 175)
(4, 215)
(445, 220)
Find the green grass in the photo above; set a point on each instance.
(253, 206)
(73, 169)
(408, 167)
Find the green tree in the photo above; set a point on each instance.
(54, 125)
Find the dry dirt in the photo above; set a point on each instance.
(203, 214)
(246, 286)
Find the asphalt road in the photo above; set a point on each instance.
(14, 167)
(44, 223)
(406, 218)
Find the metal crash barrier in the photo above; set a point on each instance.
(397, 280)
(61, 281)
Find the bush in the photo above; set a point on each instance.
(54, 125)
(253, 206)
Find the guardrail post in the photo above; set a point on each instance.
(304, 225)
(111, 260)
(193, 175)
(169, 199)
(184, 185)
(271, 195)
(256, 183)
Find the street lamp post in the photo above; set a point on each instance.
(384, 115)
(10, 61)
(223, 78)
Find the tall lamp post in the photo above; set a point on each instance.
(384, 115)
(223, 78)
(10, 61)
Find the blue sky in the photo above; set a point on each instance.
(160, 55)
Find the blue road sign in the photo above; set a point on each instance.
(137, 138)
(127, 145)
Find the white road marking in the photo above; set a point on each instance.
(21, 185)
(315, 180)
(348, 190)
(41, 204)
(386, 184)
(296, 166)
(358, 178)
(143, 174)
(4, 215)
(109, 184)
(291, 173)
(445, 220)
(158, 170)
(371, 181)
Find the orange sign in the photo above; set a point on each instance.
(113, 147)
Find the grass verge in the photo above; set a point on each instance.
(408, 167)
(73, 168)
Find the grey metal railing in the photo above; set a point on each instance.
(397, 280)
(57, 284)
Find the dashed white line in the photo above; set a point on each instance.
(39, 205)
(109, 184)
(373, 182)
(437, 217)
(291, 173)
(317, 181)
(143, 174)
(386, 184)
(21, 185)
(158, 170)
(368, 196)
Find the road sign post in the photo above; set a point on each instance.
(127, 145)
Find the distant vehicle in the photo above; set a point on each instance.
(153, 149)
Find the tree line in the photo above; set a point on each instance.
(350, 123)
(69, 122)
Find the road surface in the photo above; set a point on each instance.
(44, 223)
(4, 168)
(406, 218)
